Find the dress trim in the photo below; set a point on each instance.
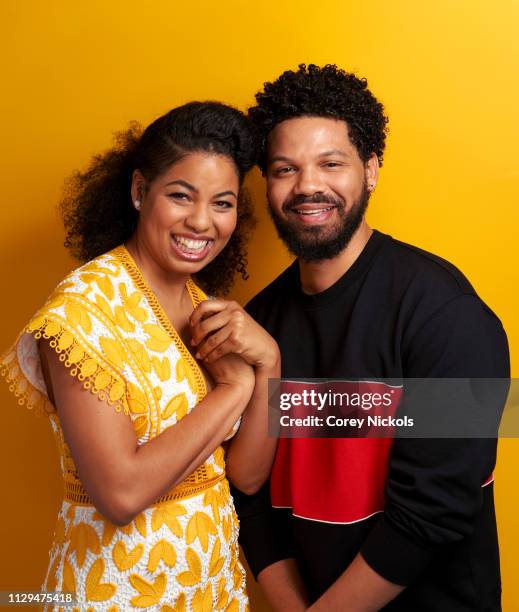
(194, 484)
(81, 361)
(196, 295)
(20, 387)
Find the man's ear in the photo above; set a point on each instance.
(138, 188)
(372, 167)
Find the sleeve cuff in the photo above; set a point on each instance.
(264, 533)
(393, 555)
(260, 547)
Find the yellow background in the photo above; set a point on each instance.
(74, 72)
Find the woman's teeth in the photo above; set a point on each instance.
(189, 244)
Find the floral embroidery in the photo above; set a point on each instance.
(199, 527)
(203, 600)
(95, 589)
(162, 551)
(82, 539)
(125, 560)
(168, 514)
(150, 592)
(194, 575)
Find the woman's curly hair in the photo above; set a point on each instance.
(97, 207)
(326, 91)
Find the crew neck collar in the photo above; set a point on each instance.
(359, 266)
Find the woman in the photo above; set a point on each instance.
(147, 520)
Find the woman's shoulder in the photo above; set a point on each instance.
(89, 293)
(80, 319)
(102, 271)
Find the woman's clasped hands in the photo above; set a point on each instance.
(220, 327)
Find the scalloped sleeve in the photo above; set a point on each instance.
(87, 344)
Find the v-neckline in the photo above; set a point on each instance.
(196, 295)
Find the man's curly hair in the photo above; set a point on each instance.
(327, 91)
(97, 208)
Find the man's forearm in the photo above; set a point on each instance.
(283, 586)
(358, 589)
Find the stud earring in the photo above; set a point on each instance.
(137, 204)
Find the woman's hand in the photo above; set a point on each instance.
(231, 369)
(220, 327)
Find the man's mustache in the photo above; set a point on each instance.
(316, 198)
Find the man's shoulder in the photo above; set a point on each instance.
(275, 292)
(432, 285)
(423, 271)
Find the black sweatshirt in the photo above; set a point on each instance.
(398, 312)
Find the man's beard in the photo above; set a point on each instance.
(315, 243)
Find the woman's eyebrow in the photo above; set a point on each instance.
(277, 158)
(195, 190)
(184, 184)
(225, 193)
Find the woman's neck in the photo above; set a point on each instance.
(169, 289)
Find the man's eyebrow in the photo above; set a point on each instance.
(334, 152)
(183, 183)
(329, 153)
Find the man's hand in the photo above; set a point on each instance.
(358, 589)
(283, 587)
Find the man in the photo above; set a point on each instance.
(408, 525)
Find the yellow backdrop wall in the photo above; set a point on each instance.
(74, 72)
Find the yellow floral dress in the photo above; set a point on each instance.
(181, 553)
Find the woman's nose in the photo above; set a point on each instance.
(199, 219)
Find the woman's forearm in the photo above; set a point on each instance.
(173, 455)
(125, 486)
(121, 477)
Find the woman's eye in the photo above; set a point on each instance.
(178, 195)
(223, 204)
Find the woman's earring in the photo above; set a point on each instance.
(137, 204)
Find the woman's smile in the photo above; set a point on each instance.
(191, 248)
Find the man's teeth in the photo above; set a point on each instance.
(190, 243)
(312, 212)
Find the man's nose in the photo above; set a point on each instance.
(309, 181)
(199, 219)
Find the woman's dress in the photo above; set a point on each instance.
(181, 553)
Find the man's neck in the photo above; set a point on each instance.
(317, 276)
